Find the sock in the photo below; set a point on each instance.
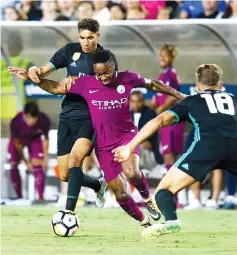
(90, 182)
(39, 180)
(230, 183)
(131, 208)
(74, 187)
(167, 204)
(142, 186)
(16, 180)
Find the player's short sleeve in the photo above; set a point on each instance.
(136, 80)
(181, 110)
(59, 59)
(78, 87)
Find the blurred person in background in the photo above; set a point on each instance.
(192, 9)
(101, 12)
(117, 12)
(171, 137)
(164, 13)
(231, 10)
(8, 92)
(11, 14)
(134, 10)
(29, 11)
(27, 129)
(49, 9)
(230, 200)
(66, 8)
(211, 11)
(152, 8)
(141, 114)
(85, 10)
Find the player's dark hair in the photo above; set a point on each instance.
(32, 109)
(88, 24)
(171, 50)
(104, 56)
(209, 74)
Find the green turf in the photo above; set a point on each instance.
(111, 232)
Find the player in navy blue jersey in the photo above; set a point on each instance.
(214, 116)
(75, 130)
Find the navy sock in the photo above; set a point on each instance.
(166, 203)
(74, 186)
(90, 182)
(230, 183)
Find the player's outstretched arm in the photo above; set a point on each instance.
(162, 88)
(37, 73)
(123, 153)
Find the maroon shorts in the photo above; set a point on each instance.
(35, 148)
(111, 168)
(172, 139)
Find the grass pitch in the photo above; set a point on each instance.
(111, 232)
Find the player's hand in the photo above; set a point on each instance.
(34, 73)
(29, 166)
(19, 72)
(66, 83)
(122, 153)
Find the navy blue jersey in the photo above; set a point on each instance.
(213, 114)
(78, 64)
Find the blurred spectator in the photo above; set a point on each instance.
(231, 10)
(27, 129)
(66, 8)
(210, 10)
(174, 7)
(164, 13)
(29, 11)
(134, 10)
(152, 8)
(8, 96)
(101, 12)
(85, 10)
(140, 115)
(192, 9)
(117, 12)
(49, 9)
(11, 14)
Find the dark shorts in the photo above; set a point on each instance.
(35, 149)
(71, 130)
(207, 155)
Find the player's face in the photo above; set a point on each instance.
(88, 41)
(137, 103)
(30, 120)
(105, 72)
(165, 59)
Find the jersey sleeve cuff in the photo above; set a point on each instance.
(54, 67)
(175, 114)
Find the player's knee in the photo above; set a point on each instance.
(75, 161)
(36, 162)
(131, 174)
(64, 177)
(64, 174)
(121, 196)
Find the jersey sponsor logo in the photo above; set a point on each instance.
(121, 89)
(185, 166)
(109, 104)
(76, 56)
(73, 64)
(93, 91)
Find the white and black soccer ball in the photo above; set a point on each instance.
(65, 223)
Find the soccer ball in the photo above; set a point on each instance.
(65, 223)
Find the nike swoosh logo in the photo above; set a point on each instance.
(93, 91)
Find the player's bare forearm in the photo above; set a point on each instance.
(163, 120)
(53, 87)
(45, 147)
(170, 101)
(160, 87)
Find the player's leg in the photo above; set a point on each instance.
(195, 204)
(36, 155)
(230, 200)
(174, 181)
(119, 187)
(14, 172)
(137, 178)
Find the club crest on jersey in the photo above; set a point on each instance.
(120, 89)
(76, 56)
